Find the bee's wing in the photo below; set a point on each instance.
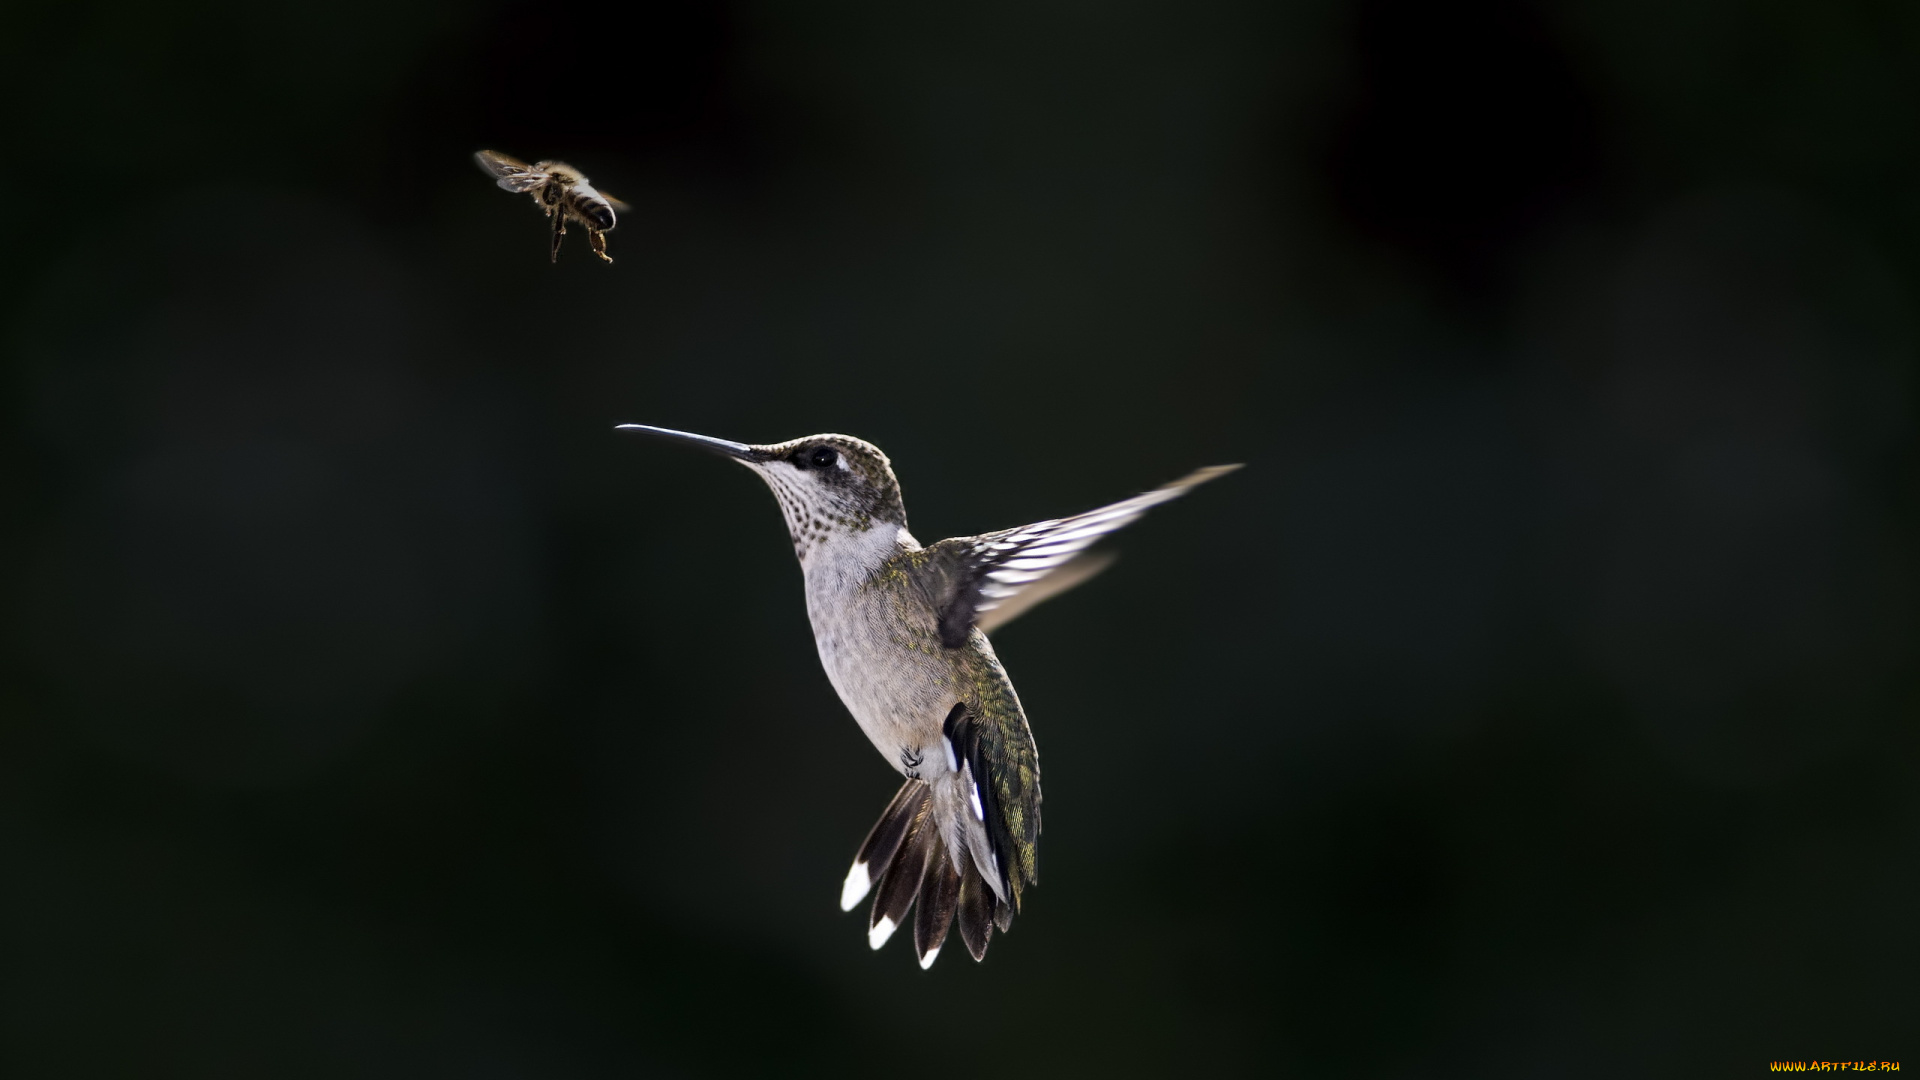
(618, 206)
(498, 164)
(509, 173)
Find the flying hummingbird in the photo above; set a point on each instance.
(901, 630)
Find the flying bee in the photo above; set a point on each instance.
(562, 192)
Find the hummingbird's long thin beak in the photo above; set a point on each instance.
(738, 451)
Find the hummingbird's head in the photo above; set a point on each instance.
(827, 485)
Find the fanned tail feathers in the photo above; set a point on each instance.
(906, 864)
(909, 805)
(939, 892)
(976, 912)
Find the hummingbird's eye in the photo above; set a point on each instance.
(821, 457)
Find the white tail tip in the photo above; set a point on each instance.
(856, 886)
(927, 960)
(881, 931)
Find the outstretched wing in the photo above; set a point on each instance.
(996, 568)
(510, 173)
(1072, 574)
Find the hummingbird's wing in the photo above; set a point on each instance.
(1072, 574)
(997, 569)
(1001, 776)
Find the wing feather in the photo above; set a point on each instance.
(1015, 602)
(994, 568)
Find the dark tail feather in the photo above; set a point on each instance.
(900, 882)
(939, 892)
(976, 911)
(909, 805)
(904, 862)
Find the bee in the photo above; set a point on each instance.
(562, 192)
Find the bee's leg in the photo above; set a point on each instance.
(599, 240)
(559, 230)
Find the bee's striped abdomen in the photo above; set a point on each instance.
(592, 207)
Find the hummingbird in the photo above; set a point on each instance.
(902, 632)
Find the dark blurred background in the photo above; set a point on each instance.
(1539, 701)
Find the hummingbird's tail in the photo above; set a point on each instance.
(905, 861)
